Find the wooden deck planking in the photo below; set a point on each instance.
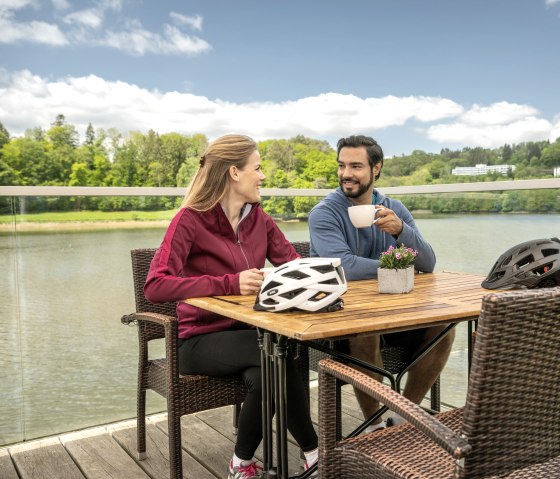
(156, 464)
(49, 460)
(109, 452)
(7, 468)
(101, 457)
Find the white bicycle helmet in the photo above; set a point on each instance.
(307, 284)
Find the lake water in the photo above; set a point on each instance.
(67, 362)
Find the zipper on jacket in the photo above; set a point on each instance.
(239, 241)
(243, 253)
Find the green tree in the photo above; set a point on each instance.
(507, 153)
(125, 170)
(90, 135)
(27, 162)
(550, 157)
(320, 169)
(187, 171)
(79, 175)
(148, 152)
(61, 134)
(438, 169)
(4, 136)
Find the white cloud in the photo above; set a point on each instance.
(491, 136)
(497, 113)
(492, 126)
(15, 4)
(551, 2)
(27, 100)
(193, 22)
(32, 32)
(84, 27)
(138, 41)
(115, 5)
(91, 18)
(555, 131)
(61, 4)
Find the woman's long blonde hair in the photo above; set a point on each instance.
(210, 183)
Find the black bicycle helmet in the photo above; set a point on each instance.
(533, 264)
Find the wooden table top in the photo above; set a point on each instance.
(437, 298)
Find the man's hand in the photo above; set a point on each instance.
(250, 281)
(388, 221)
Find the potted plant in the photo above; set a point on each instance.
(396, 270)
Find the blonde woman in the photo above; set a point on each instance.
(215, 245)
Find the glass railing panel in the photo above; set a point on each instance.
(69, 363)
(79, 363)
(11, 371)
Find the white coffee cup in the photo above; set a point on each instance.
(363, 216)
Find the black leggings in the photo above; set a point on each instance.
(237, 352)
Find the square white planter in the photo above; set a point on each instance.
(395, 280)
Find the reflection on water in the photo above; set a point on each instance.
(67, 362)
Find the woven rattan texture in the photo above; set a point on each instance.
(511, 420)
(186, 393)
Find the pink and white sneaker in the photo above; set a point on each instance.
(315, 474)
(245, 472)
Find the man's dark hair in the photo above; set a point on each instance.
(373, 150)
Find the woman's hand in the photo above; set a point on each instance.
(250, 281)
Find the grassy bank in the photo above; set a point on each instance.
(86, 220)
(89, 216)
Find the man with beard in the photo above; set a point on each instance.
(360, 160)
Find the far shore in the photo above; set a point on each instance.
(81, 225)
(55, 226)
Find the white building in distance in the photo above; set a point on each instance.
(481, 169)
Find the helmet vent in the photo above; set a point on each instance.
(327, 268)
(527, 260)
(293, 293)
(295, 275)
(318, 297)
(507, 261)
(270, 302)
(542, 269)
(270, 285)
(550, 252)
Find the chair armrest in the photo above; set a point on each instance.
(447, 439)
(156, 318)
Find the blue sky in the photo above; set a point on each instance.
(413, 74)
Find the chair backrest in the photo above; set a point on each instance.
(141, 259)
(512, 412)
(302, 248)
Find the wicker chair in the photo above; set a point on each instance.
(509, 427)
(185, 394)
(395, 358)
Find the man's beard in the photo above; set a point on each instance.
(361, 189)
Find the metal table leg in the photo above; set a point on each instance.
(265, 345)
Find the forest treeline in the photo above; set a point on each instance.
(57, 157)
